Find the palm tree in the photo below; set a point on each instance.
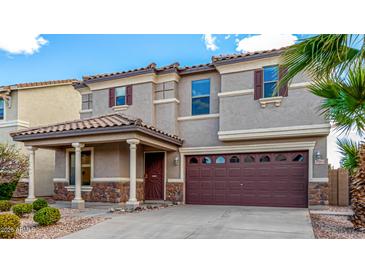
(336, 64)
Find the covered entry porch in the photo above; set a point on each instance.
(103, 159)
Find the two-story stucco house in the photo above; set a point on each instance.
(215, 133)
(35, 104)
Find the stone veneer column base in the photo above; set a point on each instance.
(21, 189)
(318, 193)
(101, 192)
(175, 192)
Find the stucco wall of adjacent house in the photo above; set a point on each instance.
(142, 106)
(42, 106)
(184, 92)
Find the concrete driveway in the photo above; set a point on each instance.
(204, 222)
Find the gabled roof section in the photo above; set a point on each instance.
(110, 123)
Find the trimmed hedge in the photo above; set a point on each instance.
(47, 216)
(9, 223)
(6, 190)
(21, 209)
(39, 204)
(5, 206)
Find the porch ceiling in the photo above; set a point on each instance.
(114, 127)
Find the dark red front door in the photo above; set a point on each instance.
(154, 176)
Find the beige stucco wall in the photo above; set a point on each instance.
(42, 106)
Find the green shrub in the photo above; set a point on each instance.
(5, 205)
(47, 216)
(39, 204)
(6, 190)
(21, 209)
(9, 223)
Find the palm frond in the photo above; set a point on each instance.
(321, 55)
(349, 151)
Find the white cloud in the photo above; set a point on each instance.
(21, 43)
(227, 36)
(265, 42)
(210, 42)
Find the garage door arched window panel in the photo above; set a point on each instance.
(206, 160)
(249, 159)
(234, 160)
(264, 159)
(298, 158)
(193, 160)
(280, 158)
(220, 160)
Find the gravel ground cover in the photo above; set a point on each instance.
(334, 226)
(70, 222)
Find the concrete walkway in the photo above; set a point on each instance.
(204, 222)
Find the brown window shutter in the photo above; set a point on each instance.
(129, 95)
(111, 97)
(284, 89)
(258, 80)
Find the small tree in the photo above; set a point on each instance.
(13, 166)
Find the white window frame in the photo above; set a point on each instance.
(87, 93)
(125, 96)
(4, 117)
(200, 96)
(267, 82)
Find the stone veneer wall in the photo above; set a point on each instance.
(318, 193)
(21, 190)
(175, 192)
(101, 192)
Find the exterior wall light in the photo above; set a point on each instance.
(317, 155)
(177, 161)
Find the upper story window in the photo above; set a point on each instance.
(271, 77)
(2, 109)
(87, 101)
(120, 96)
(200, 93)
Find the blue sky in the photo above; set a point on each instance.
(51, 57)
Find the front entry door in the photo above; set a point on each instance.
(154, 176)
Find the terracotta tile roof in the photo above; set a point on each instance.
(39, 84)
(246, 54)
(114, 120)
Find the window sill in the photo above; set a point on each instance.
(83, 188)
(86, 111)
(120, 108)
(271, 100)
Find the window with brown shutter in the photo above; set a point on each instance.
(111, 97)
(258, 84)
(129, 95)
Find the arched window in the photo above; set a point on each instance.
(249, 159)
(234, 159)
(206, 160)
(298, 158)
(280, 158)
(220, 160)
(264, 159)
(193, 160)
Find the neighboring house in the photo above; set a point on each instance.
(207, 134)
(36, 104)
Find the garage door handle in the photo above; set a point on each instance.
(241, 184)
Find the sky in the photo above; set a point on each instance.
(31, 58)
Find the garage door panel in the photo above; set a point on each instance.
(259, 179)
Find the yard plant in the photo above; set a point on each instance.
(22, 209)
(39, 204)
(5, 206)
(47, 216)
(9, 223)
(336, 64)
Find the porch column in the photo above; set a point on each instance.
(31, 196)
(132, 202)
(78, 202)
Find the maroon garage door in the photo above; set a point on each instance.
(255, 179)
